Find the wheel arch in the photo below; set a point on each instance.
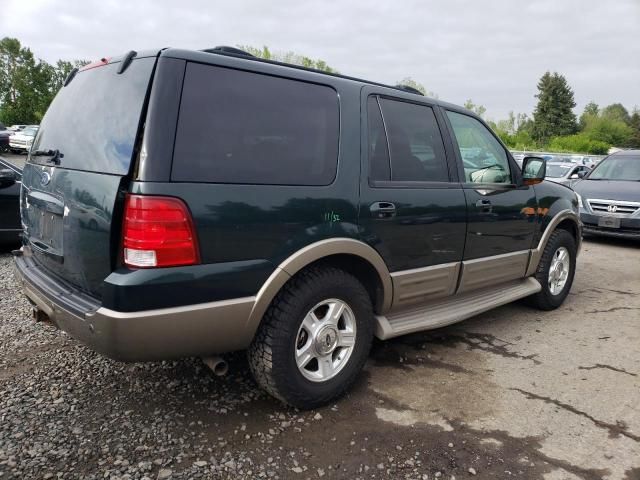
(565, 220)
(354, 256)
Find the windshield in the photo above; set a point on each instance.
(30, 132)
(557, 171)
(618, 168)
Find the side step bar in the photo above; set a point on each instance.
(453, 309)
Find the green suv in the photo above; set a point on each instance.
(191, 203)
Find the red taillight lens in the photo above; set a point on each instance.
(158, 232)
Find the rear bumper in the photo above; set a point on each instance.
(195, 330)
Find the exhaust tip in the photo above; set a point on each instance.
(39, 316)
(217, 365)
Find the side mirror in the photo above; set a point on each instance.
(581, 174)
(534, 170)
(7, 178)
(574, 176)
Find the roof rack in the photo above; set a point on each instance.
(409, 89)
(226, 49)
(237, 52)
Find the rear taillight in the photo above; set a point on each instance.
(158, 232)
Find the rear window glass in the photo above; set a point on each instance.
(94, 120)
(242, 127)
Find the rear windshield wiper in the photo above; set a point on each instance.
(54, 154)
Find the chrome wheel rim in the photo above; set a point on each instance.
(559, 270)
(325, 340)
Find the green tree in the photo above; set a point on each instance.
(553, 115)
(609, 130)
(288, 57)
(477, 109)
(591, 110)
(27, 85)
(578, 143)
(634, 123)
(616, 111)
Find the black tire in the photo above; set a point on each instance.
(545, 300)
(272, 352)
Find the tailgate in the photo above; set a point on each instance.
(79, 164)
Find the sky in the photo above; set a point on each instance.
(490, 51)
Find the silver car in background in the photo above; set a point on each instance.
(565, 173)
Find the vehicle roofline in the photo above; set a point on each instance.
(209, 58)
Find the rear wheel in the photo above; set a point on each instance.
(314, 338)
(556, 271)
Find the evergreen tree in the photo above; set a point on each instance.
(553, 115)
(634, 123)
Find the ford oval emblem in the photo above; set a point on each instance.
(45, 178)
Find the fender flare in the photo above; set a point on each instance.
(536, 253)
(309, 254)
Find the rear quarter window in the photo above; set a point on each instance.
(243, 127)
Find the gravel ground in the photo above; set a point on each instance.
(511, 394)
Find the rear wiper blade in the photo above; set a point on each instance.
(54, 154)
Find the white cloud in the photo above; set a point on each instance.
(493, 51)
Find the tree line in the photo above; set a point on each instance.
(28, 85)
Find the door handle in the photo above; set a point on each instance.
(485, 205)
(383, 209)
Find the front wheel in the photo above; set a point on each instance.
(314, 339)
(556, 271)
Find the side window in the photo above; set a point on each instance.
(414, 143)
(484, 159)
(243, 127)
(380, 169)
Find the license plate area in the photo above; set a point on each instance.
(609, 222)
(45, 218)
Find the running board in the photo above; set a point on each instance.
(453, 309)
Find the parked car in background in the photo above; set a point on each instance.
(10, 181)
(610, 196)
(565, 173)
(5, 133)
(279, 210)
(20, 142)
(17, 128)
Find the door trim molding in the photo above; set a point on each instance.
(483, 272)
(420, 285)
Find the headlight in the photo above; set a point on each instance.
(579, 198)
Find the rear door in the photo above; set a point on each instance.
(412, 209)
(80, 159)
(501, 210)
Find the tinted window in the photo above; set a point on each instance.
(484, 159)
(378, 148)
(94, 120)
(241, 127)
(415, 145)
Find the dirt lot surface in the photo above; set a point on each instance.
(513, 393)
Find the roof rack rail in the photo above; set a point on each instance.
(226, 49)
(233, 51)
(409, 89)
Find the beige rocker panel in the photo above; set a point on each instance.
(310, 254)
(420, 285)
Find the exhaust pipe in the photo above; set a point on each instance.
(218, 365)
(39, 316)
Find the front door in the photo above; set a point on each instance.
(501, 210)
(412, 209)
